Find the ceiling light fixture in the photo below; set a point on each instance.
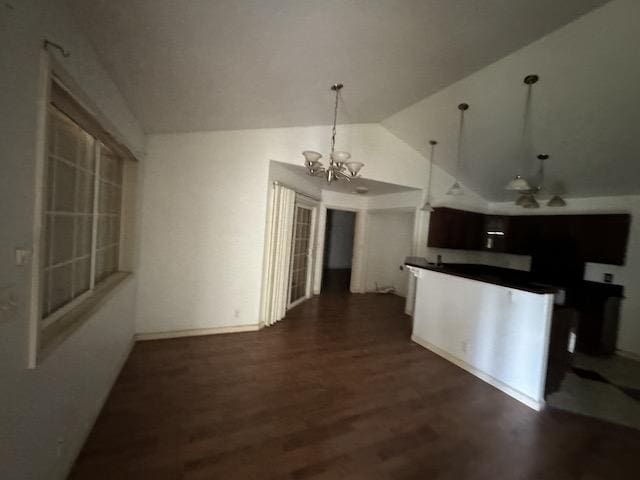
(427, 207)
(556, 201)
(339, 167)
(519, 184)
(456, 189)
(527, 198)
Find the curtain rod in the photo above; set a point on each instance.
(276, 182)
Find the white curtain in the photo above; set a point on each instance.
(275, 284)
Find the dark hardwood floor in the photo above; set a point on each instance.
(334, 391)
(336, 280)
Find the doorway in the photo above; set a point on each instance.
(338, 251)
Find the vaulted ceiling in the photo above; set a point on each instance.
(585, 112)
(238, 64)
(187, 65)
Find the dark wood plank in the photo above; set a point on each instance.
(335, 391)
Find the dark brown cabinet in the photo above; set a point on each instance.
(456, 229)
(587, 238)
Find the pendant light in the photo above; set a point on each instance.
(456, 189)
(427, 207)
(556, 201)
(518, 183)
(527, 198)
(530, 201)
(339, 168)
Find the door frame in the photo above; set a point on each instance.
(310, 204)
(356, 285)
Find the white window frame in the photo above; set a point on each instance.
(37, 324)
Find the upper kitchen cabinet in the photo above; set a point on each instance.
(590, 238)
(603, 238)
(455, 229)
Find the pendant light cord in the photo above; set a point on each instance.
(526, 126)
(433, 147)
(335, 120)
(460, 131)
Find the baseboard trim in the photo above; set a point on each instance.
(196, 332)
(521, 397)
(629, 355)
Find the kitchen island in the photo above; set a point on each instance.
(495, 326)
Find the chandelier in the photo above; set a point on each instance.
(339, 168)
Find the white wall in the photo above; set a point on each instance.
(500, 333)
(204, 210)
(389, 242)
(60, 398)
(627, 275)
(495, 259)
(339, 250)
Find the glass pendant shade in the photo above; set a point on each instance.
(518, 184)
(311, 157)
(455, 189)
(354, 167)
(530, 202)
(340, 157)
(556, 201)
(427, 207)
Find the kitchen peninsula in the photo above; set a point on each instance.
(497, 327)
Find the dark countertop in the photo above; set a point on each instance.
(577, 292)
(504, 277)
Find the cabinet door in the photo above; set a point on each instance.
(455, 229)
(603, 238)
(519, 239)
(439, 222)
(473, 226)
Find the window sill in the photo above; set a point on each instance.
(55, 334)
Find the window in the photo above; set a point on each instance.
(81, 234)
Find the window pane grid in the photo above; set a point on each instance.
(76, 197)
(301, 240)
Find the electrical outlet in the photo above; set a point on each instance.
(236, 313)
(465, 346)
(608, 278)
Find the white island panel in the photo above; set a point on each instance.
(499, 334)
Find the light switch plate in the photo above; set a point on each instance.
(22, 256)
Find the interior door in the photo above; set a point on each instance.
(299, 277)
